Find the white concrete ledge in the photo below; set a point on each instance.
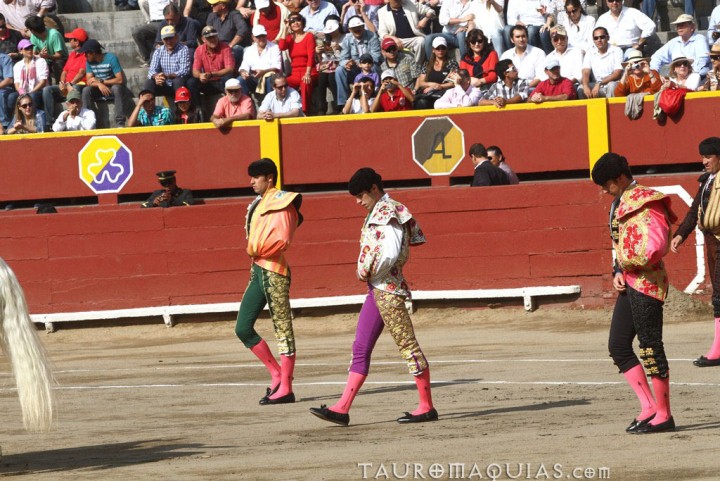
(167, 312)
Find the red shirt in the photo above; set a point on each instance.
(207, 61)
(75, 63)
(394, 104)
(564, 86)
(488, 66)
(271, 21)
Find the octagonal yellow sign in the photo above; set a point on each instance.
(438, 145)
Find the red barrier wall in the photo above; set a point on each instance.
(675, 141)
(47, 166)
(96, 258)
(340, 146)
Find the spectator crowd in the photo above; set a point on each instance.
(221, 61)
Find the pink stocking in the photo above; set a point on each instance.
(714, 352)
(423, 385)
(287, 367)
(354, 383)
(638, 382)
(262, 351)
(662, 393)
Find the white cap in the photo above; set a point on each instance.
(356, 22)
(552, 63)
(258, 29)
(437, 41)
(389, 73)
(331, 26)
(232, 84)
(262, 4)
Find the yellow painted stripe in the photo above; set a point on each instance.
(597, 130)
(270, 145)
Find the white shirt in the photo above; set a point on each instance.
(580, 34)
(714, 20)
(41, 73)
(84, 120)
(487, 19)
(267, 59)
(459, 97)
(155, 8)
(272, 103)
(628, 28)
(530, 65)
(526, 11)
(603, 65)
(571, 63)
(695, 48)
(692, 83)
(356, 106)
(453, 9)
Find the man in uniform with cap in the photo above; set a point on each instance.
(640, 223)
(105, 79)
(147, 114)
(270, 225)
(213, 65)
(703, 214)
(387, 234)
(235, 105)
(360, 41)
(170, 65)
(170, 195)
(71, 77)
(688, 43)
(555, 88)
(75, 117)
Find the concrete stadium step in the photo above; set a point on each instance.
(83, 6)
(136, 76)
(125, 50)
(105, 25)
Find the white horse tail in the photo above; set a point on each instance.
(28, 358)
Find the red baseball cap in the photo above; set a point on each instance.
(182, 95)
(388, 42)
(78, 34)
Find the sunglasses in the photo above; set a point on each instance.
(391, 49)
(682, 64)
(570, 12)
(614, 1)
(715, 57)
(295, 20)
(25, 106)
(511, 68)
(441, 47)
(279, 87)
(477, 41)
(558, 38)
(26, 48)
(600, 37)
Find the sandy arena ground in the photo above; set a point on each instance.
(524, 395)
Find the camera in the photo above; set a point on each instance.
(635, 65)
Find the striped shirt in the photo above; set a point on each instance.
(499, 89)
(175, 61)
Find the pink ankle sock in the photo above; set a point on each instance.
(661, 386)
(354, 383)
(287, 367)
(714, 352)
(262, 352)
(638, 382)
(424, 393)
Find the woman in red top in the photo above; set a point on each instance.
(479, 60)
(301, 45)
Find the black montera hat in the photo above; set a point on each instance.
(609, 167)
(710, 146)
